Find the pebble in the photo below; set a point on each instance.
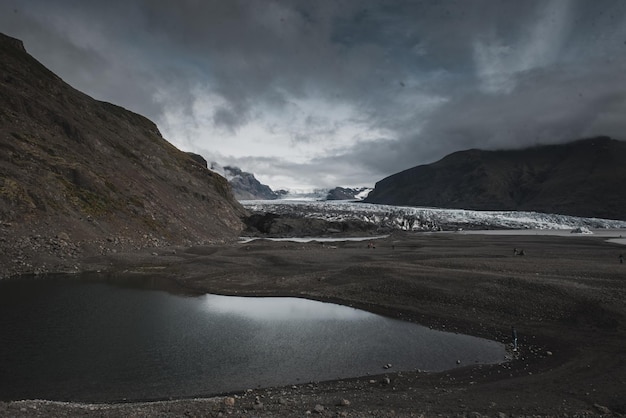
(602, 409)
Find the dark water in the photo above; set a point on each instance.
(69, 339)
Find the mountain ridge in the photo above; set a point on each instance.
(89, 175)
(580, 178)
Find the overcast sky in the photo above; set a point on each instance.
(324, 93)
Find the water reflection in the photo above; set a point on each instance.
(94, 341)
(280, 309)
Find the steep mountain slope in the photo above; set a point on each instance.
(87, 174)
(246, 186)
(581, 178)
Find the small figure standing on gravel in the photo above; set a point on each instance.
(514, 335)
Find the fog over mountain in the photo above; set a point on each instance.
(245, 185)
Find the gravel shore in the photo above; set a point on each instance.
(565, 296)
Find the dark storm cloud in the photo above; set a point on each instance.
(546, 107)
(342, 92)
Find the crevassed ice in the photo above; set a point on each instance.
(420, 218)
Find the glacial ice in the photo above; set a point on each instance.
(427, 219)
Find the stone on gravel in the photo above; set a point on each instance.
(602, 409)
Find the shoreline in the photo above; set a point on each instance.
(565, 298)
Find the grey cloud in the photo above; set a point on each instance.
(546, 107)
(229, 118)
(427, 77)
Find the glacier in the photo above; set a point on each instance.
(427, 219)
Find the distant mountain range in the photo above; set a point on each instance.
(246, 186)
(581, 178)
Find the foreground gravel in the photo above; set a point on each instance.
(565, 296)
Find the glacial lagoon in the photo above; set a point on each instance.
(93, 340)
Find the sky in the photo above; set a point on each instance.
(321, 93)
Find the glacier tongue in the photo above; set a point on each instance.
(426, 219)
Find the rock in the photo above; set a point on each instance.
(602, 409)
(229, 401)
(318, 409)
(458, 362)
(386, 381)
(548, 353)
(343, 402)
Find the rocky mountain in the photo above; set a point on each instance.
(347, 193)
(78, 175)
(245, 185)
(581, 178)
